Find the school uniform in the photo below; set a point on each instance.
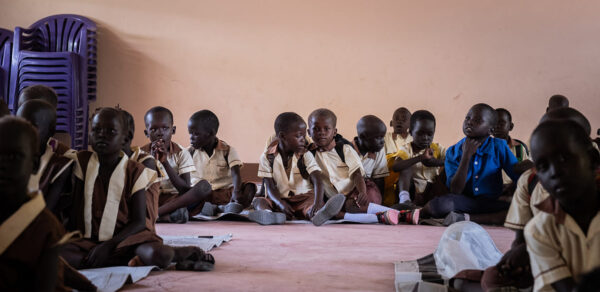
(181, 161)
(557, 246)
(422, 176)
(483, 181)
(519, 149)
(24, 238)
(522, 208)
(293, 184)
(100, 213)
(53, 163)
(337, 176)
(216, 170)
(153, 191)
(393, 142)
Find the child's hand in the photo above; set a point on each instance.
(427, 156)
(158, 149)
(285, 208)
(514, 262)
(362, 199)
(316, 207)
(470, 146)
(98, 255)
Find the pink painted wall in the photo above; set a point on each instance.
(250, 60)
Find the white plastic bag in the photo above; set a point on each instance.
(465, 245)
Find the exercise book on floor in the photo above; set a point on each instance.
(111, 279)
(206, 243)
(464, 245)
(243, 216)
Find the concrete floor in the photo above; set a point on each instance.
(302, 257)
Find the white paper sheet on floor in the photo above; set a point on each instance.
(206, 244)
(113, 278)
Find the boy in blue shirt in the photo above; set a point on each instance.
(474, 174)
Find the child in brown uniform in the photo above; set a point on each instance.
(29, 234)
(563, 240)
(219, 164)
(54, 173)
(290, 173)
(400, 135)
(175, 166)
(517, 147)
(138, 155)
(109, 205)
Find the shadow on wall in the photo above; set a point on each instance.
(124, 74)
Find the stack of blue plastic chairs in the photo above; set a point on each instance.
(6, 37)
(60, 52)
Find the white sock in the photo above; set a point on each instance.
(361, 218)
(467, 217)
(375, 208)
(403, 197)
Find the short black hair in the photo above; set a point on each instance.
(568, 113)
(363, 122)
(40, 91)
(571, 129)
(33, 106)
(323, 112)
(158, 109)
(118, 113)
(503, 110)
(129, 121)
(558, 100)
(284, 121)
(208, 120)
(399, 110)
(23, 126)
(490, 110)
(421, 115)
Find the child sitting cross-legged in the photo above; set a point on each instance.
(415, 167)
(109, 207)
(292, 179)
(178, 199)
(219, 164)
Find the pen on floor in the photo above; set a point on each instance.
(205, 236)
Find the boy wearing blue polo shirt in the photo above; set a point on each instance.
(474, 174)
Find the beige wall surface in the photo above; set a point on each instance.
(250, 60)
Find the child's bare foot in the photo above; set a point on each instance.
(136, 261)
(191, 258)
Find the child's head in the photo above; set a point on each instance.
(203, 127)
(19, 157)
(128, 127)
(322, 126)
(42, 116)
(108, 133)
(291, 131)
(159, 124)
(480, 121)
(422, 129)
(38, 92)
(568, 114)
(371, 132)
(4, 111)
(557, 101)
(504, 124)
(400, 120)
(565, 160)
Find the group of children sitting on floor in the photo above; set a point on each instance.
(68, 210)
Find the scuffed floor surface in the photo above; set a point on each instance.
(302, 257)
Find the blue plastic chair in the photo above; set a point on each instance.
(58, 51)
(6, 41)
